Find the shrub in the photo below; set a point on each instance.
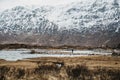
(115, 54)
(32, 52)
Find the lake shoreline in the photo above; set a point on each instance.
(19, 54)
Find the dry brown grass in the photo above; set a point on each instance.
(78, 68)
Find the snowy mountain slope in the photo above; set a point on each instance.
(20, 20)
(77, 15)
(85, 23)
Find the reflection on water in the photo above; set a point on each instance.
(13, 55)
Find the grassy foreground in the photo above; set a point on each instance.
(78, 68)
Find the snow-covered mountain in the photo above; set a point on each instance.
(85, 23)
(22, 20)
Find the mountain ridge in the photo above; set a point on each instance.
(94, 24)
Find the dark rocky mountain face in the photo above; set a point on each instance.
(79, 24)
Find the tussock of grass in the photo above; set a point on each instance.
(107, 74)
(42, 69)
(78, 72)
(20, 73)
